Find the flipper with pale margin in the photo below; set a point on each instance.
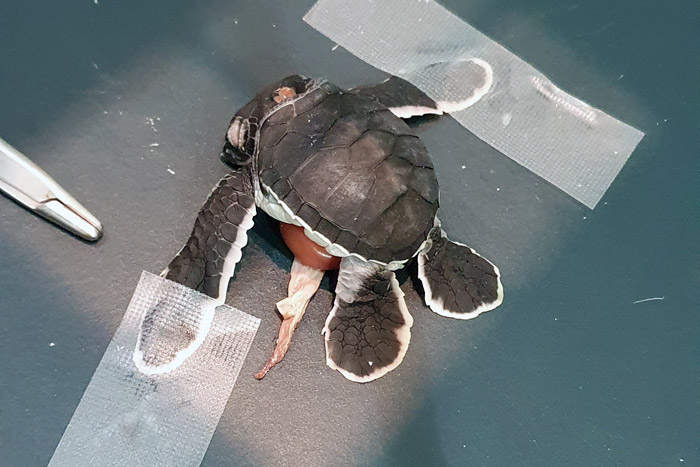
(458, 282)
(369, 328)
(170, 334)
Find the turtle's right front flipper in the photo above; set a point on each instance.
(401, 97)
(207, 260)
(170, 334)
(463, 83)
(368, 330)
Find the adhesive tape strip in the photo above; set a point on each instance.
(521, 113)
(129, 417)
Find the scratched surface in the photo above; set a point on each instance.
(126, 104)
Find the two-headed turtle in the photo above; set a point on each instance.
(342, 166)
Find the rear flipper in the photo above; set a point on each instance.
(368, 330)
(207, 260)
(466, 82)
(458, 282)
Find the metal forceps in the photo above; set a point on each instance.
(26, 183)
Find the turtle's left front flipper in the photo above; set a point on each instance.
(207, 260)
(368, 330)
(458, 282)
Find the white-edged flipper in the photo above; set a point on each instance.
(401, 97)
(464, 81)
(167, 336)
(369, 328)
(208, 259)
(458, 282)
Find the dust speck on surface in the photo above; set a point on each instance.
(51, 344)
(151, 121)
(647, 300)
(171, 171)
(334, 47)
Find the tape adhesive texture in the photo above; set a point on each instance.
(163, 382)
(509, 104)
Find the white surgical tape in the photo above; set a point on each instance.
(521, 113)
(130, 418)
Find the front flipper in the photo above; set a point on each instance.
(401, 97)
(170, 332)
(368, 330)
(458, 282)
(464, 81)
(207, 260)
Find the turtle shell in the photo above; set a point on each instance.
(351, 170)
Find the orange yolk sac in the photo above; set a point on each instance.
(306, 250)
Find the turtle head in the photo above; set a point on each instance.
(242, 132)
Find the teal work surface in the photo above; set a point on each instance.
(126, 103)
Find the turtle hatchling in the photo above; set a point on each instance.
(353, 188)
